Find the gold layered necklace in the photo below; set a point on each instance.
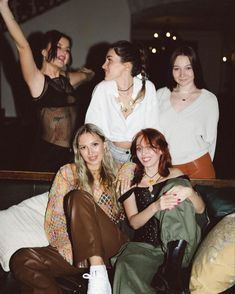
(97, 186)
(126, 104)
(127, 107)
(151, 180)
(97, 189)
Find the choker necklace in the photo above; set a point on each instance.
(151, 181)
(125, 90)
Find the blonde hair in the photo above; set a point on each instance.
(108, 169)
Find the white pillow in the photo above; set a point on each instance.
(22, 226)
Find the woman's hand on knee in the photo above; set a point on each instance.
(168, 201)
(180, 192)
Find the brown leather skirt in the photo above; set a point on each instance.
(201, 168)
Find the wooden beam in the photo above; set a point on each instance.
(26, 175)
(49, 176)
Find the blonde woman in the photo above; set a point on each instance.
(81, 221)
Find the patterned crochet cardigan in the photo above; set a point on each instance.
(55, 220)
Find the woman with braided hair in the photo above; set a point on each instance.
(125, 102)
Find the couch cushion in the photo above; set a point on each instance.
(219, 201)
(213, 266)
(22, 226)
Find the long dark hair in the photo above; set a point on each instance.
(195, 63)
(157, 141)
(135, 54)
(52, 37)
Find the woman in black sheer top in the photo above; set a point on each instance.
(52, 87)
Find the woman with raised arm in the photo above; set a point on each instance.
(162, 208)
(82, 222)
(123, 103)
(52, 88)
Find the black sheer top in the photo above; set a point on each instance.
(57, 92)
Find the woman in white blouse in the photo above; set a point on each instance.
(189, 116)
(123, 103)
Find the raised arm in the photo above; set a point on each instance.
(32, 75)
(82, 75)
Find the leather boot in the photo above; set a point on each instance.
(169, 277)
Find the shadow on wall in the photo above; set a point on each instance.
(21, 96)
(95, 59)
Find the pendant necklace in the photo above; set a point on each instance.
(186, 98)
(188, 95)
(126, 108)
(151, 181)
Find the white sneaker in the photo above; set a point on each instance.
(98, 282)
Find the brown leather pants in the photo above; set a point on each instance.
(92, 234)
(201, 168)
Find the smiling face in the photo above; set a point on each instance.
(147, 155)
(182, 71)
(63, 51)
(113, 67)
(91, 148)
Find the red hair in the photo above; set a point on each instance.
(157, 141)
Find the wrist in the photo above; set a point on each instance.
(155, 207)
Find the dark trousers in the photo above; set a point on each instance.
(92, 234)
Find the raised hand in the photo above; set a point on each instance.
(3, 3)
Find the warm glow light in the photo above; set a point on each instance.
(168, 34)
(174, 38)
(154, 50)
(156, 35)
(224, 59)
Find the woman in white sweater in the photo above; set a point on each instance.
(123, 103)
(189, 116)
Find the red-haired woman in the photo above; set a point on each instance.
(161, 207)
